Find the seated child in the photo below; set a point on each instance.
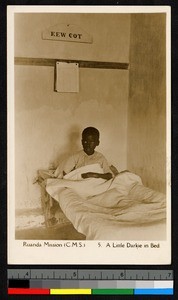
(88, 156)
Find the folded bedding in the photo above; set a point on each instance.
(103, 209)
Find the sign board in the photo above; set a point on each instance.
(66, 33)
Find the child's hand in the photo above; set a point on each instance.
(90, 175)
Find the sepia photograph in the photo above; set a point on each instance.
(89, 132)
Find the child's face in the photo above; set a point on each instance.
(89, 143)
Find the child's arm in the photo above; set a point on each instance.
(105, 176)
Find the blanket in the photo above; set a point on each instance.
(91, 186)
(93, 204)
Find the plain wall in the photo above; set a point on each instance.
(48, 124)
(147, 100)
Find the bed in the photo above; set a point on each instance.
(118, 209)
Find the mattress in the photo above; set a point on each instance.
(118, 209)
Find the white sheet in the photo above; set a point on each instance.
(91, 186)
(120, 208)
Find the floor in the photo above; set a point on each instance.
(65, 232)
(30, 226)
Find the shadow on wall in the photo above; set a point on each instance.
(73, 144)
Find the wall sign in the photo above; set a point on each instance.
(67, 33)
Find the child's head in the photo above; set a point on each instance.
(90, 139)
